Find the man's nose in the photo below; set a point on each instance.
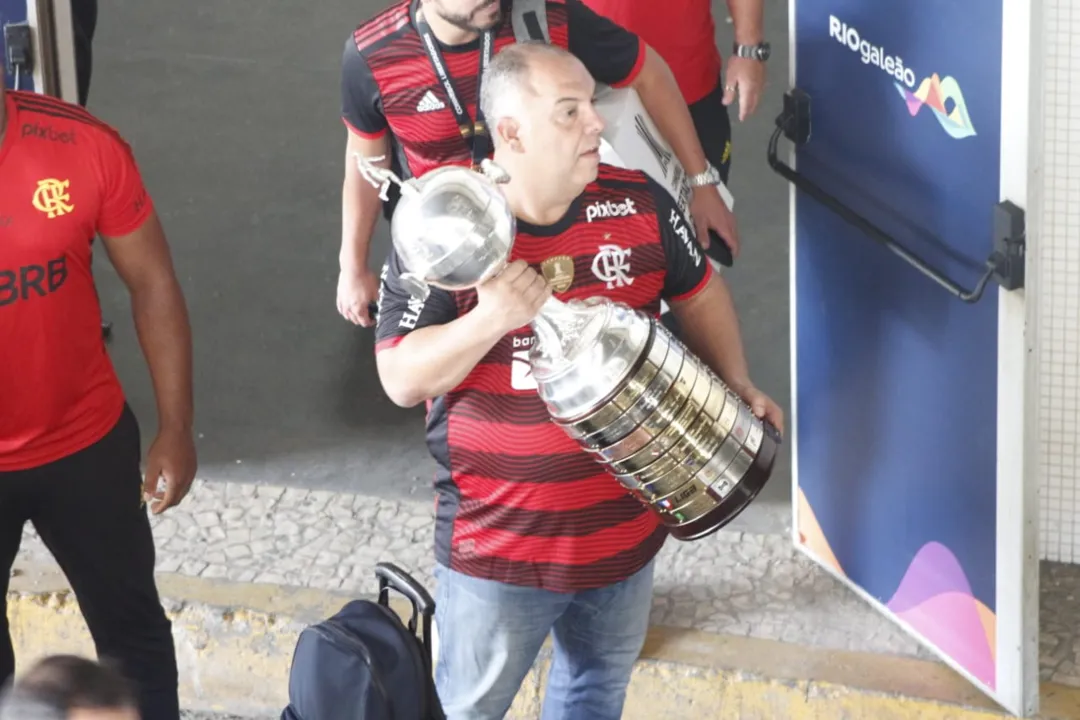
(595, 122)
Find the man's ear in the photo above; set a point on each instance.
(509, 133)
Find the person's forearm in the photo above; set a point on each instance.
(710, 328)
(431, 361)
(748, 18)
(662, 99)
(161, 321)
(360, 208)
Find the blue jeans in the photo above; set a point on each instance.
(490, 634)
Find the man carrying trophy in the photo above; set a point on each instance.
(410, 85)
(532, 535)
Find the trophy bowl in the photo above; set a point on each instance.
(660, 421)
(454, 230)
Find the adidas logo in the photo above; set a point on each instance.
(429, 103)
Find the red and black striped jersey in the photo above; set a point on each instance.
(519, 501)
(389, 84)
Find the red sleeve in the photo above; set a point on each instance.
(125, 203)
(611, 53)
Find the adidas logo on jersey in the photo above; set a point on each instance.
(429, 103)
(608, 209)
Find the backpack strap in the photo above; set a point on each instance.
(529, 18)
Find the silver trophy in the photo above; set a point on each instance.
(613, 378)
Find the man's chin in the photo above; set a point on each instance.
(483, 25)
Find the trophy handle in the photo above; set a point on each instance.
(381, 177)
(416, 286)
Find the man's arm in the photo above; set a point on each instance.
(424, 350)
(617, 57)
(746, 76)
(135, 242)
(367, 135)
(704, 308)
(748, 17)
(143, 262)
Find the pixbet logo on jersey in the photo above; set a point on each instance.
(607, 209)
(934, 92)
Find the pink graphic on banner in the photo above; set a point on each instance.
(935, 599)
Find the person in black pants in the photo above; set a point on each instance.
(70, 446)
(84, 22)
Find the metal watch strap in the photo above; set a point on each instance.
(709, 176)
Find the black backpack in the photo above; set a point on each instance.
(363, 663)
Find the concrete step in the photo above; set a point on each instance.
(235, 643)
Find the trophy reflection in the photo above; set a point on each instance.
(613, 378)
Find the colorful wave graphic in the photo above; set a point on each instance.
(934, 598)
(934, 92)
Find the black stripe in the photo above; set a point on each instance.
(551, 523)
(64, 113)
(540, 468)
(562, 578)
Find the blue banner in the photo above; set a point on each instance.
(896, 379)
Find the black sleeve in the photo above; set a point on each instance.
(687, 267)
(612, 54)
(400, 313)
(361, 101)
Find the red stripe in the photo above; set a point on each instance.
(390, 20)
(539, 496)
(697, 288)
(638, 65)
(561, 550)
(361, 133)
(508, 439)
(388, 343)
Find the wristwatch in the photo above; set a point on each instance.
(711, 176)
(759, 52)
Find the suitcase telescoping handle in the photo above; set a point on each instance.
(391, 576)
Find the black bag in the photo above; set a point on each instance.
(363, 663)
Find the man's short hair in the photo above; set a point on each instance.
(506, 78)
(61, 683)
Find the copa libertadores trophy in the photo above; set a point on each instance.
(613, 378)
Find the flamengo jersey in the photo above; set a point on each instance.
(519, 501)
(681, 31)
(388, 82)
(65, 177)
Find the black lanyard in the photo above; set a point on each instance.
(477, 130)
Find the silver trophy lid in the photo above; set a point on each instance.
(452, 227)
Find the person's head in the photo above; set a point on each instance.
(66, 687)
(537, 100)
(470, 15)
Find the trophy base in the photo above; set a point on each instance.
(740, 498)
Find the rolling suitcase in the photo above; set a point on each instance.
(364, 663)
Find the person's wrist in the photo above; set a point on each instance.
(490, 322)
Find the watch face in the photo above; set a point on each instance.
(763, 51)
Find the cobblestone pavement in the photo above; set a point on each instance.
(732, 583)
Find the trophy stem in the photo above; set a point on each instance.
(558, 328)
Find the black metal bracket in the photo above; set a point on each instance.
(1005, 264)
(19, 46)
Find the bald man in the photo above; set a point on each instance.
(532, 536)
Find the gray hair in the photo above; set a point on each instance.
(507, 77)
